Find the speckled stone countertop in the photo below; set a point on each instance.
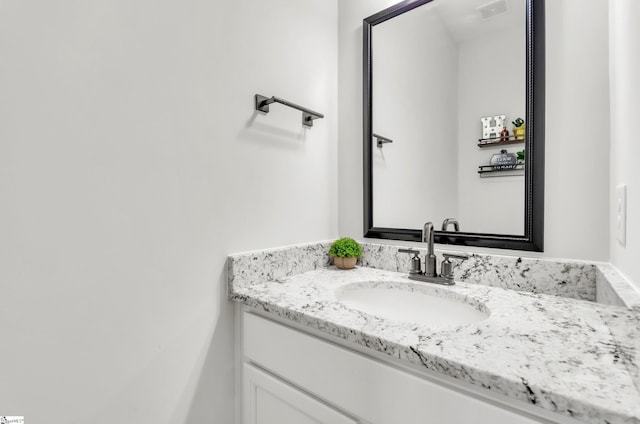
(565, 355)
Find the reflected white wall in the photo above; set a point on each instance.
(415, 177)
(492, 81)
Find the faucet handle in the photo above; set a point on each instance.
(446, 268)
(416, 264)
(462, 257)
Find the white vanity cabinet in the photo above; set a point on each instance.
(290, 376)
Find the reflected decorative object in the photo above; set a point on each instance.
(519, 132)
(504, 134)
(492, 125)
(504, 160)
(519, 129)
(488, 171)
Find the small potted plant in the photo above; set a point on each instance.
(518, 128)
(345, 252)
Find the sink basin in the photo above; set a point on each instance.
(434, 307)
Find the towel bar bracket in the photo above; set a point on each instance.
(262, 103)
(307, 119)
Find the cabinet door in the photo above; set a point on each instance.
(268, 400)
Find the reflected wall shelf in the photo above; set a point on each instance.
(491, 171)
(488, 142)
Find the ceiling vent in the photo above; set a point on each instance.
(492, 9)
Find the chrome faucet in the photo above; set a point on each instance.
(430, 275)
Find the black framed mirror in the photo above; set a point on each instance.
(404, 136)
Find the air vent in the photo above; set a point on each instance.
(492, 9)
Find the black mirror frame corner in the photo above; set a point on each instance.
(533, 238)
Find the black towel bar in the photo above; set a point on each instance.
(262, 104)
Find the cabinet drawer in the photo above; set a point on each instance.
(366, 388)
(268, 400)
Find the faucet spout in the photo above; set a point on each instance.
(446, 222)
(430, 259)
(428, 236)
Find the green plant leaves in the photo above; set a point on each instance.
(345, 248)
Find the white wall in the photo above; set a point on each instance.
(577, 131)
(131, 164)
(625, 149)
(350, 148)
(416, 107)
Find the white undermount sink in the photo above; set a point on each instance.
(435, 307)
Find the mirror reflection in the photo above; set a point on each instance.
(438, 71)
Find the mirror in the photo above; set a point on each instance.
(442, 80)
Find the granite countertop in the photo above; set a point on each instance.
(554, 352)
